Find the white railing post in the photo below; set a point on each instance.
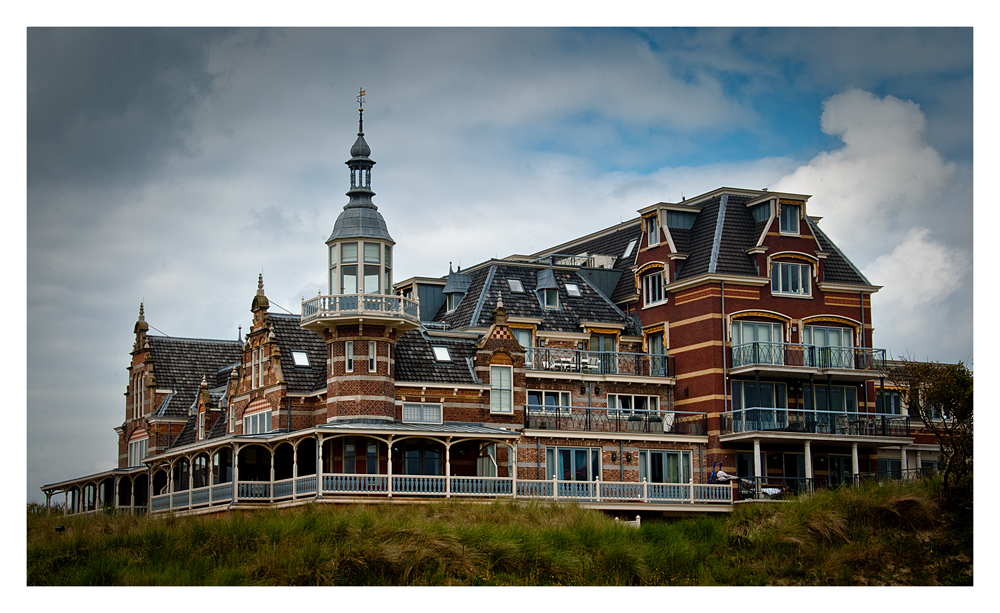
(691, 492)
(513, 472)
(555, 488)
(597, 484)
(645, 490)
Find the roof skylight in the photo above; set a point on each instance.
(441, 354)
(300, 358)
(628, 250)
(573, 290)
(515, 286)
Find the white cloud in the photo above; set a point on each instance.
(882, 181)
(892, 204)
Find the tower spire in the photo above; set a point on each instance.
(361, 112)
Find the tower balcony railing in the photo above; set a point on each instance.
(809, 356)
(352, 305)
(553, 359)
(772, 419)
(600, 419)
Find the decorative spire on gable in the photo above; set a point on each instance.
(260, 304)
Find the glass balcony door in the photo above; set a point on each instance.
(757, 342)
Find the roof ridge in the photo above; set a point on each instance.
(482, 295)
(197, 340)
(720, 220)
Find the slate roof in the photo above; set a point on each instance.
(181, 363)
(476, 309)
(837, 268)
(292, 337)
(614, 244)
(415, 360)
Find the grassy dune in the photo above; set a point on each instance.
(874, 535)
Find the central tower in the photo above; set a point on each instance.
(360, 319)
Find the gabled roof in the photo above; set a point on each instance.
(292, 337)
(179, 364)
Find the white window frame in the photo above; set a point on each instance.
(629, 248)
(137, 450)
(683, 462)
(781, 219)
(423, 412)
(552, 455)
(652, 288)
(349, 356)
(201, 426)
(372, 355)
(258, 422)
(799, 274)
(652, 228)
(615, 404)
(501, 395)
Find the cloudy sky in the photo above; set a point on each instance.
(171, 167)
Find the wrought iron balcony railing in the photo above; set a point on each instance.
(599, 362)
(794, 354)
(769, 419)
(599, 419)
(372, 305)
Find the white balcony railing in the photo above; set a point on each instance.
(334, 485)
(370, 305)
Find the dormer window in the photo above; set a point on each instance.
(790, 219)
(653, 230)
(453, 300)
(515, 286)
(550, 298)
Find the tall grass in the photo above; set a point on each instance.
(869, 535)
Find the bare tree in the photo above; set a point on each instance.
(940, 395)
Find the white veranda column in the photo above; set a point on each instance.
(854, 461)
(903, 463)
(809, 462)
(756, 458)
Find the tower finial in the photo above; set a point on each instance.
(260, 284)
(361, 112)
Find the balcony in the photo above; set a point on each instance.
(597, 419)
(797, 421)
(550, 359)
(861, 363)
(318, 312)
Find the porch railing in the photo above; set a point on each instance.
(772, 419)
(452, 486)
(599, 419)
(553, 359)
(360, 304)
(795, 354)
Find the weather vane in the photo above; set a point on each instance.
(361, 99)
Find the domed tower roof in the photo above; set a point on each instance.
(360, 218)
